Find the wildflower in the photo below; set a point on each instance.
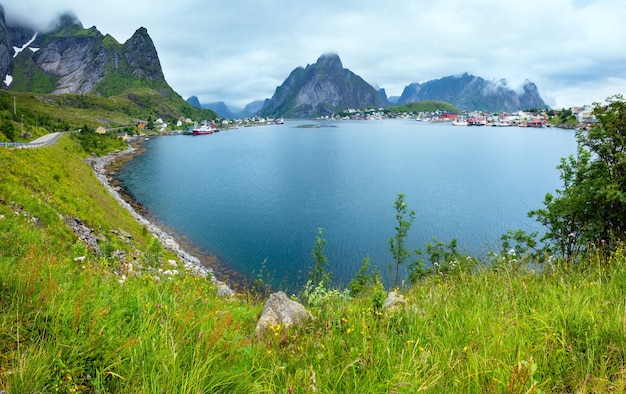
(421, 349)
(465, 348)
(81, 258)
(343, 319)
(571, 235)
(269, 351)
(349, 330)
(172, 263)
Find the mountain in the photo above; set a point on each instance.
(322, 88)
(194, 101)
(222, 110)
(471, 93)
(226, 112)
(254, 108)
(71, 59)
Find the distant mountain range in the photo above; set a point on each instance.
(325, 87)
(469, 92)
(75, 60)
(226, 112)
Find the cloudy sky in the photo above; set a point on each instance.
(238, 51)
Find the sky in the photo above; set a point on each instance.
(239, 51)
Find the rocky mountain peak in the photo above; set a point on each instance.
(141, 55)
(330, 61)
(67, 20)
(322, 88)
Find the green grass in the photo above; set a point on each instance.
(40, 114)
(423, 106)
(96, 325)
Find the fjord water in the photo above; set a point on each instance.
(258, 195)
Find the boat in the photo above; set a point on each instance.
(204, 129)
(460, 123)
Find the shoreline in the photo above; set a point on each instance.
(101, 167)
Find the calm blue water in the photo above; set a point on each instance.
(260, 193)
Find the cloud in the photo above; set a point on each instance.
(238, 51)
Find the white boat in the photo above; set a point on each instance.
(460, 123)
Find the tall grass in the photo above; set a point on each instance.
(69, 324)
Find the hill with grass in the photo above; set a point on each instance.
(423, 106)
(25, 115)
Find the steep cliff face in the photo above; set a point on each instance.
(79, 63)
(71, 59)
(321, 89)
(469, 92)
(142, 58)
(5, 48)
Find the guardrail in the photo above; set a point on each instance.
(46, 140)
(23, 144)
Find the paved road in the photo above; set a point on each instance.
(45, 140)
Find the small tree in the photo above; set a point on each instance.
(590, 209)
(405, 218)
(318, 273)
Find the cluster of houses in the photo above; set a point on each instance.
(583, 115)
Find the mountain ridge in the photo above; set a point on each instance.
(322, 88)
(470, 93)
(69, 59)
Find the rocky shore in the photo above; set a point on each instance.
(191, 263)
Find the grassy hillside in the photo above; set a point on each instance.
(423, 106)
(38, 114)
(75, 320)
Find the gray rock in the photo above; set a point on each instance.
(394, 301)
(279, 309)
(223, 290)
(85, 233)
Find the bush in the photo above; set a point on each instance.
(590, 209)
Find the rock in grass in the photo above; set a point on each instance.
(394, 301)
(280, 311)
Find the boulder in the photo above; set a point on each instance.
(394, 301)
(279, 309)
(223, 290)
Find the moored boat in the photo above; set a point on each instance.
(204, 129)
